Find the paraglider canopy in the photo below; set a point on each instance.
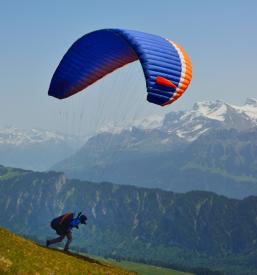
(166, 66)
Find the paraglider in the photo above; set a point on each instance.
(166, 66)
(63, 226)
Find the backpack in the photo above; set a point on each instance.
(61, 224)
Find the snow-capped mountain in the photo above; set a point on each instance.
(34, 149)
(150, 122)
(191, 124)
(19, 137)
(207, 115)
(206, 148)
(162, 133)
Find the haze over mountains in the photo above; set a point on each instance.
(210, 147)
(35, 149)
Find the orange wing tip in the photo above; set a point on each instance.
(169, 102)
(165, 82)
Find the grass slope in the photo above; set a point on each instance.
(144, 269)
(20, 256)
(139, 268)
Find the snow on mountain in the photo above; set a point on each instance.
(150, 122)
(219, 110)
(189, 125)
(212, 110)
(20, 137)
(35, 149)
(249, 109)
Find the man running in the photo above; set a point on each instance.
(63, 226)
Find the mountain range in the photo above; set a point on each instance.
(35, 148)
(211, 147)
(193, 229)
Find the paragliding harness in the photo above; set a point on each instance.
(61, 224)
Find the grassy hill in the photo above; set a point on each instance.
(144, 269)
(20, 256)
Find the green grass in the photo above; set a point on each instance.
(144, 269)
(11, 173)
(139, 268)
(20, 256)
(218, 171)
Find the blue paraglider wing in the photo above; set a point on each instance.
(166, 66)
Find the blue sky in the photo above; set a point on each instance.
(219, 36)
